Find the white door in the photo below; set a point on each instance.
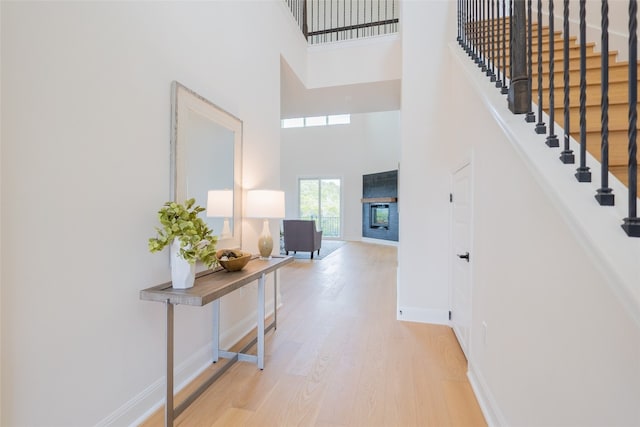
(461, 262)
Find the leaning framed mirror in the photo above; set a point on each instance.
(206, 161)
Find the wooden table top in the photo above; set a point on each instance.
(211, 285)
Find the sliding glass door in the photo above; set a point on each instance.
(320, 200)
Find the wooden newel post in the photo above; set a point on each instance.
(519, 97)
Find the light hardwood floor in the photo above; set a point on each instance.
(340, 358)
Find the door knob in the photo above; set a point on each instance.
(465, 256)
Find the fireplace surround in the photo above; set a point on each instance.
(380, 205)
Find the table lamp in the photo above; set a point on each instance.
(265, 204)
(220, 205)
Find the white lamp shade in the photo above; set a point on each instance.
(220, 203)
(265, 204)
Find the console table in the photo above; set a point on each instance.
(209, 287)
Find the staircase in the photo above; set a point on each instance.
(618, 96)
(484, 32)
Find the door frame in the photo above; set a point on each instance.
(467, 162)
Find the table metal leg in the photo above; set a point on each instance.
(216, 330)
(275, 299)
(261, 281)
(168, 407)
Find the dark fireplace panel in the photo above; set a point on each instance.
(380, 206)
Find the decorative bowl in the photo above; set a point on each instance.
(232, 259)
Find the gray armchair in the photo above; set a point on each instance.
(301, 235)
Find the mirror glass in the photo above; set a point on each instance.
(207, 155)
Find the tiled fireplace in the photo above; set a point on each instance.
(380, 205)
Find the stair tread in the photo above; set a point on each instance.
(618, 88)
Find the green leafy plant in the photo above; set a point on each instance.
(181, 221)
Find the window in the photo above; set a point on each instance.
(300, 122)
(293, 123)
(341, 119)
(315, 121)
(320, 200)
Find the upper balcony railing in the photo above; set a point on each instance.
(323, 21)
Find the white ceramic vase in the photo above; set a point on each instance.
(183, 273)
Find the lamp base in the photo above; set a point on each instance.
(226, 230)
(265, 241)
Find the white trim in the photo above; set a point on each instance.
(379, 241)
(423, 315)
(486, 400)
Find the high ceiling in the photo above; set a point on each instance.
(298, 101)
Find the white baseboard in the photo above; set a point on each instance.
(379, 241)
(492, 414)
(145, 403)
(423, 315)
(149, 400)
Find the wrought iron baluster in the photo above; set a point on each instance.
(470, 28)
(483, 47)
(505, 89)
(552, 138)
(472, 45)
(338, 20)
(510, 43)
(582, 173)
(485, 30)
(324, 20)
(464, 24)
(498, 49)
(459, 6)
(540, 126)
(344, 19)
(358, 17)
(530, 117)
(632, 223)
(393, 13)
(467, 38)
(491, 72)
(478, 35)
(330, 19)
(475, 31)
(378, 17)
(317, 24)
(604, 194)
(351, 18)
(364, 18)
(566, 156)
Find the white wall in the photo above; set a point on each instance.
(561, 348)
(370, 144)
(1, 311)
(85, 166)
(424, 181)
(371, 59)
